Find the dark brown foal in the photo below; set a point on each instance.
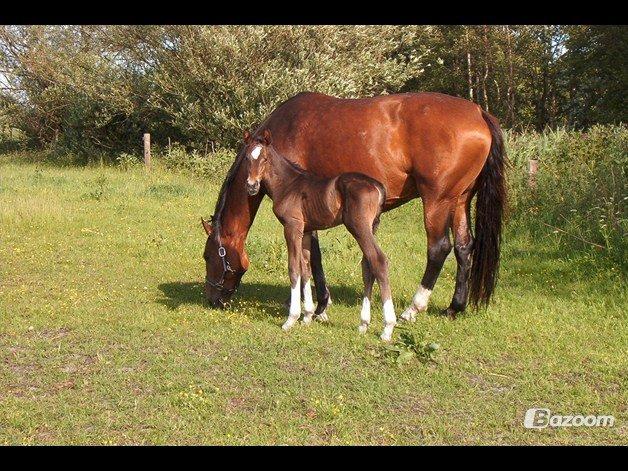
(304, 203)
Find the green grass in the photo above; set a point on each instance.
(105, 338)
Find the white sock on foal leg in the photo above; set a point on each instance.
(308, 303)
(365, 315)
(295, 305)
(419, 304)
(389, 320)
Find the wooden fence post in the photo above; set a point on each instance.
(532, 169)
(147, 151)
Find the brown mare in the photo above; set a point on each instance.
(304, 203)
(443, 149)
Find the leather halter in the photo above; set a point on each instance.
(226, 267)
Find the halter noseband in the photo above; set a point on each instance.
(226, 268)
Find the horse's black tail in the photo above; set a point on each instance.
(489, 209)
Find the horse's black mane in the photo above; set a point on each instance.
(226, 184)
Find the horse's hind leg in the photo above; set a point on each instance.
(437, 218)
(306, 274)
(463, 246)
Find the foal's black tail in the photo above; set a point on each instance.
(489, 209)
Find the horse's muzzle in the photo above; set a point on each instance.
(252, 188)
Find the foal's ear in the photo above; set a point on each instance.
(266, 136)
(207, 226)
(247, 136)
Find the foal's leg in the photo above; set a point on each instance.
(294, 235)
(463, 246)
(437, 218)
(378, 265)
(368, 279)
(306, 271)
(314, 259)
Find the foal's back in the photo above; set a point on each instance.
(347, 198)
(362, 197)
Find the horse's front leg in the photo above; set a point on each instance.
(323, 298)
(294, 239)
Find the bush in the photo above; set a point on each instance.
(581, 193)
(128, 161)
(212, 166)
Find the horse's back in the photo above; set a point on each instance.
(406, 141)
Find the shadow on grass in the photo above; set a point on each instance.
(544, 269)
(266, 296)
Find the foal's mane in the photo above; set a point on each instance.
(295, 166)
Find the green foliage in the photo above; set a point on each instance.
(212, 166)
(581, 197)
(88, 90)
(596, 74)
(221, 80)
(128, 161)
(412, 346)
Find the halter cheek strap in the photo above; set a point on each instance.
(226, 268)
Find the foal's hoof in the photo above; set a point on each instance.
(362, 328)
(386, 337)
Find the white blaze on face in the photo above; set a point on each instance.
(256, 152)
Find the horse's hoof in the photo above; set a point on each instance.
(288, 324)
(408, 316)
(362, 328)
(450, 313)
(386, 337)
(307, 318)
(322, 317)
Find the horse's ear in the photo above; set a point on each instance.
(266, 136)
(207, 226)
(247, 136)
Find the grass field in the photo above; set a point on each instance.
(105, 338)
